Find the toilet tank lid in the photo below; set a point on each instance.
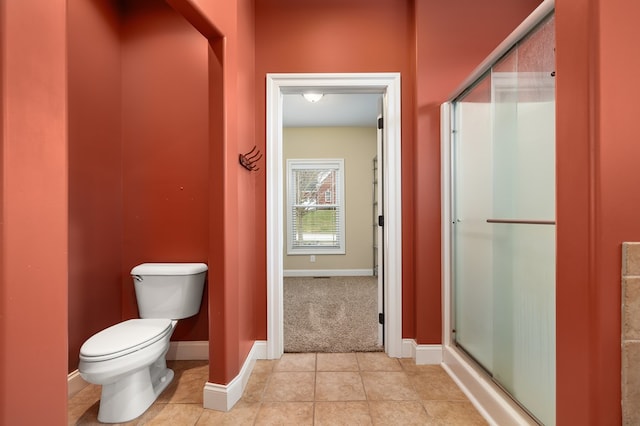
(169, 269)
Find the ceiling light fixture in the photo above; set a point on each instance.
(312, 97)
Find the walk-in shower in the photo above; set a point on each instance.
(499, 144)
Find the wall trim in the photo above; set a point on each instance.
(422, 354)
(387, 84)
(224, 397)
(429, 354)
(327, 272)
(408, 348)
(75, 383)
(188, 350)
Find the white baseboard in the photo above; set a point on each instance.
(428, 354)
(188, 350)
(327, 272)
(224, 397)
(75, 383)
(422, 354)
(408, 348)
(496, 407)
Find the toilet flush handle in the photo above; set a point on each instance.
(137, 277)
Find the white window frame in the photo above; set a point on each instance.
(325, 163)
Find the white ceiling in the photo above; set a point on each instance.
(334, 109)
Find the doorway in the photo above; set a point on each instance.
(331, 291)
(387, 85)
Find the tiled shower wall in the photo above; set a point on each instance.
(631, 333)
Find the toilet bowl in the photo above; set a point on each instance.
(128, 359)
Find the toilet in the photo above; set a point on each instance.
(128, 359)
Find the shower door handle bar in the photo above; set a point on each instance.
(522, 221)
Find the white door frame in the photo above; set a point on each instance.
(387, 84)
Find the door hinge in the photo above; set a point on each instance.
(381, 318)
(380, 123)
(381, 220)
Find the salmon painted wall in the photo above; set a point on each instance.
(576, 284)
(3, 107)
(237, 310)
(165, 147)
(4, 345)
(320, 36)
(452, 39)
(598, 199)
(95, 172)
(618, 190)
(346, 37)
(33, 287)
(233, 308)
(252, 292)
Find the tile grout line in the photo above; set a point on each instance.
(315, 381)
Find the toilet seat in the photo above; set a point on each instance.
(124, 338)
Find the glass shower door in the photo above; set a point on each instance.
(504, 223)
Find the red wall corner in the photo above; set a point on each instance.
(95, 171)
(165, 148)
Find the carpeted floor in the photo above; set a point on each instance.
(331, 314)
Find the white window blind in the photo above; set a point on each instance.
(315, 206)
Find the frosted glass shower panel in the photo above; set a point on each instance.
(504, 222)
(472, 267)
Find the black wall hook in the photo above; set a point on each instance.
(250, 159)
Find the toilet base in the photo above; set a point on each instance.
(128, 398)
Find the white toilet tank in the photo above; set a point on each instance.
(169, 290)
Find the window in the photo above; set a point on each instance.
(315, 206)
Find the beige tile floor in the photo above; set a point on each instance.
(308, 389)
